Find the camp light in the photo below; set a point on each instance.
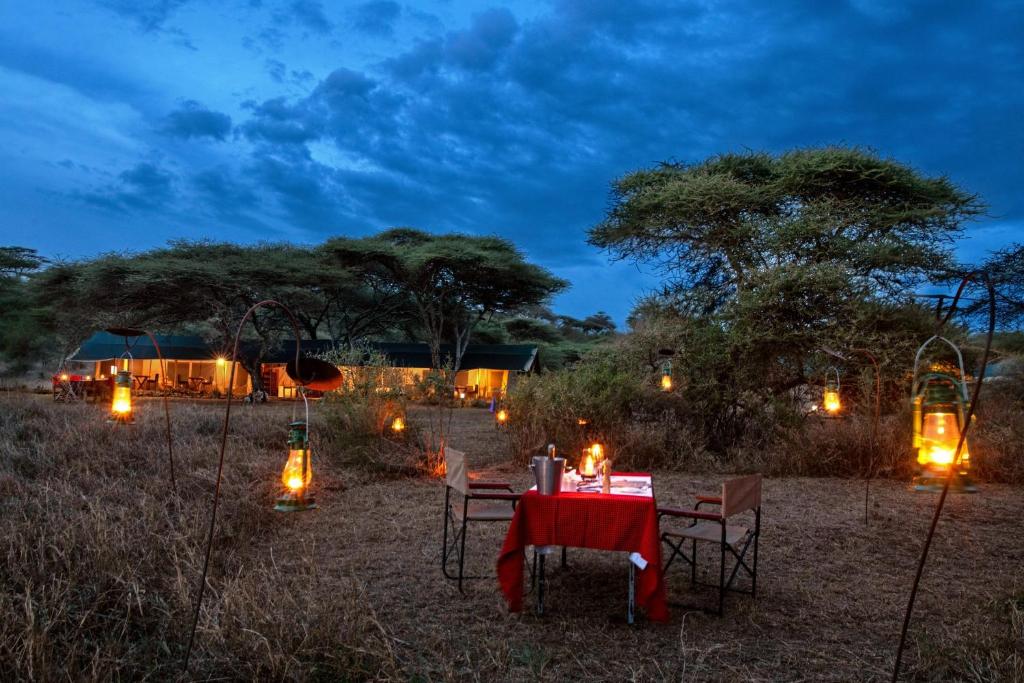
(830, 397)
(121, 405)
(666, 375)
(939, 401)
(501, 417)
(298, 471)
(398, 425)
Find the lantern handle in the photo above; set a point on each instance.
(915, 385)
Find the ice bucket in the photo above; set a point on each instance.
(548, 473)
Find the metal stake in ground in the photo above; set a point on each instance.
(982, 275)
(312, 373)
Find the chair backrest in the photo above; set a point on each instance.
(455, 470)
(741, 494)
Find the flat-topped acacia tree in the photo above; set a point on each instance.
(455, 281)
(787, 250)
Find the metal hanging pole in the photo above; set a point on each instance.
(983, 276)
(200, 589)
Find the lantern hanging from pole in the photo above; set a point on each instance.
(298, 471)
(666, 375)
(830, 400)
(939, 402)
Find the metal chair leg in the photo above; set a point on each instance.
(721, 576)
(565, 561)
(462, 554)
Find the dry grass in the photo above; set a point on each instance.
(99, 567)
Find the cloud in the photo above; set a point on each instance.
(144, 187)
(149, 15)
(377, 17)
(193, 120)
(310, 14)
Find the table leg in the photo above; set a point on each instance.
(540, 586)
(632, 593)
(565, 562)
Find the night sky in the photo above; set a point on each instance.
(125, 123)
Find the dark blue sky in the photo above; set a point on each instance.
(125, 123)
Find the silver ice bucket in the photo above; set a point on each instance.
(548, 473)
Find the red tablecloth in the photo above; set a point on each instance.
(586, 520)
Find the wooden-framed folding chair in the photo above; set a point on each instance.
(738, 496)
(458, 514)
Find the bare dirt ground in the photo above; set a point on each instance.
(830, 602)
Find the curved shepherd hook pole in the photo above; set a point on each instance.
(970, 277)
(875, 418)
(312, 373)
(127, 332)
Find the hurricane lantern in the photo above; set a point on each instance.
(298, 471)
(830, 397)
(666, 376)
(587, 468)
(939, 402)
(121, 405)
(939, 411)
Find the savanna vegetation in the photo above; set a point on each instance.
(775, 269)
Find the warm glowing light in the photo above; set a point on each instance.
(64, 378)
(831, 401)
(940, 434)
(462, 395)
(666, 382)
(88, 378)
(587, 470)
(113, 369)
(121, 405)
(597, 450)
(582, 422)
(501, 416)
(298, 471)
(220, 362)
(398, 424)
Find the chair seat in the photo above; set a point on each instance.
(485, 513)
(712, 532)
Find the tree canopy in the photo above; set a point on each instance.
(454, 280)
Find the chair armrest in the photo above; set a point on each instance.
(689, 514)
(710, 500)
(491, 485)
(494, 496)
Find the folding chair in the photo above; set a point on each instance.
(457, 516)
(738, 496)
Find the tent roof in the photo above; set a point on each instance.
(105, 346)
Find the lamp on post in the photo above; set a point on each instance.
(939, 401)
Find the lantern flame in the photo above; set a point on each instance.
(588, 466)
(666, 382)
(293, 476)
(398, 424)
(831, 401)
(501, 416)
(940, 434)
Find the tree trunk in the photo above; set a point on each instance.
(255, 370)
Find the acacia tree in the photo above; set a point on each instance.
(454, 281)
(20, 325)
(777, 256)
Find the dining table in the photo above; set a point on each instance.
(582, 516)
